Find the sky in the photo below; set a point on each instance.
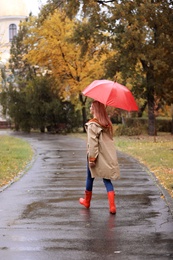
(33, 5)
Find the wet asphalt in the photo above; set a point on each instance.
(41, 218)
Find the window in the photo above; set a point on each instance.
(12, 31)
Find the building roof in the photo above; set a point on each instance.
(13, 8)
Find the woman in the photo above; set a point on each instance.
(101, 155)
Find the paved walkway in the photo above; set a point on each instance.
(41, 219)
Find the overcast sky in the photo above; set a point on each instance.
(33, 5)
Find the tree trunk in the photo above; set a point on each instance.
(142, 109)
(151, 119)
(42, 129)
(172, 119)
(150, 99)
(84, 117)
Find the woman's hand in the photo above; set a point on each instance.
(92, 164)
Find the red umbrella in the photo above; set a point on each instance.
(112, 94)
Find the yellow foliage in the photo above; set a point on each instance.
(50, 46)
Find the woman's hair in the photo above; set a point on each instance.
(102, 116)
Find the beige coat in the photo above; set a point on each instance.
(101, 146)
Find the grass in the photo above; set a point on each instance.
(155, 153)
(15, 155)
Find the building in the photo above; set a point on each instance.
(11, 13)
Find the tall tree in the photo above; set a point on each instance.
(71, 7)
(142, 34)
(51, 47)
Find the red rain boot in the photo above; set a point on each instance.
(112, 206)
(86, 201)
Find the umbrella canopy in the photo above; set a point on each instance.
(112, 94)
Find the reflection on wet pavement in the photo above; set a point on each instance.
(41, 217)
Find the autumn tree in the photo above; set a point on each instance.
(51, 47)
(142, 34)
(70, 7)
(29, 97)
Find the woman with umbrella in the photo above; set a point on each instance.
(101, 155)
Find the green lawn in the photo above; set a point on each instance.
(15, 155)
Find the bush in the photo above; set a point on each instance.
(137, 126)
(130, 131)
(162, 125)
(37, 106)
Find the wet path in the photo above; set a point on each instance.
(41, 219)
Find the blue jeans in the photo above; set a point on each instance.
(90, 180)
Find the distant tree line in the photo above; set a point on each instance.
(72, 42)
